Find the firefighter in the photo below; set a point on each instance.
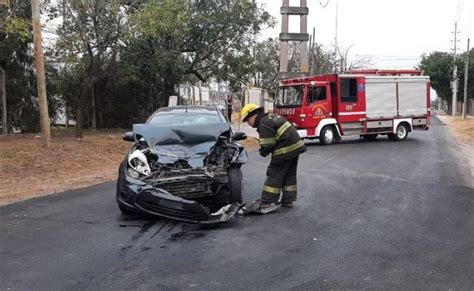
(279, 138)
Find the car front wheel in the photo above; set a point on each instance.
(235, 184)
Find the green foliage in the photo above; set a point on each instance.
(470, 82)
(202, 34)
(164, 18)
(439, 66)
(132, 54)
(18, 26)
(18, 63)
(257, 65)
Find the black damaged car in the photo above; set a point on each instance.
(184, 164)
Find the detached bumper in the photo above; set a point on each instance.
(139, 197)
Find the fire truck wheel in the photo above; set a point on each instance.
(328, 135)
(401, 133)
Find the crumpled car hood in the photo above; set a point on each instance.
(181, 142)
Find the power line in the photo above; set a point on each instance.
(324, 6)
(459, 10)
(386, 56)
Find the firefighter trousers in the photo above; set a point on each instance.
(281, 178)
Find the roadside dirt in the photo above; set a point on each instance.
(463, 132)
(28, 170)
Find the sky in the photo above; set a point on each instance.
(393, 34)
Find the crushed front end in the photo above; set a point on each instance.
(183, 179)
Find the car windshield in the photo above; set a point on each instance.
(290, 96)
(184, 118)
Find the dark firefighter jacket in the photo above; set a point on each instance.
(278, 137)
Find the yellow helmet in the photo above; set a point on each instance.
(249, 108)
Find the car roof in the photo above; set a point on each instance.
(189, 108)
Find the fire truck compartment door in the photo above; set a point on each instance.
(412, 97)
(380, 98)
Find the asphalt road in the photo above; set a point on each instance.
(370, 215)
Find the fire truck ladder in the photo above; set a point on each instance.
(388, 72)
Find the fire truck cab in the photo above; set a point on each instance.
(364, 103)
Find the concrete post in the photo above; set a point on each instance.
(284, 44)
(285, 37)
(304, 44)
(455, 74)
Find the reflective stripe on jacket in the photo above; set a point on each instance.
(278, 136)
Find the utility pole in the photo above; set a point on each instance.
(4, 92)
(40, 74)
(335, 38)
(455, 74)
(285, 37)
(312, 61)
(4, 103)
(466, 72)
(66, 114)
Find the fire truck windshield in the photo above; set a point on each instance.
(290, 96)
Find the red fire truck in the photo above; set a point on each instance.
(364, 103)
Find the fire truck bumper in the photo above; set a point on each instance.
(303, 133)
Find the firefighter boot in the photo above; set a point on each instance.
(258, 207)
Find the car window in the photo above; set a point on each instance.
(184, 118)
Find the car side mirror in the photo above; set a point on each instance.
(128, 136)
(239, 136)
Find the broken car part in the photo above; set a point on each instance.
(185, 171)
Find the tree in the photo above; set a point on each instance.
(90, 37)
(321, 60)
(17, 61)
(345, 64)
(258, 65)
(470, 82)
(198, 37)
(439, 66)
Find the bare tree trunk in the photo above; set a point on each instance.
(79, 119)
(66, 114)
(80, 111)
(150, 107)
(94, 122)
(39, 59)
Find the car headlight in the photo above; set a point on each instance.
(137, 162)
